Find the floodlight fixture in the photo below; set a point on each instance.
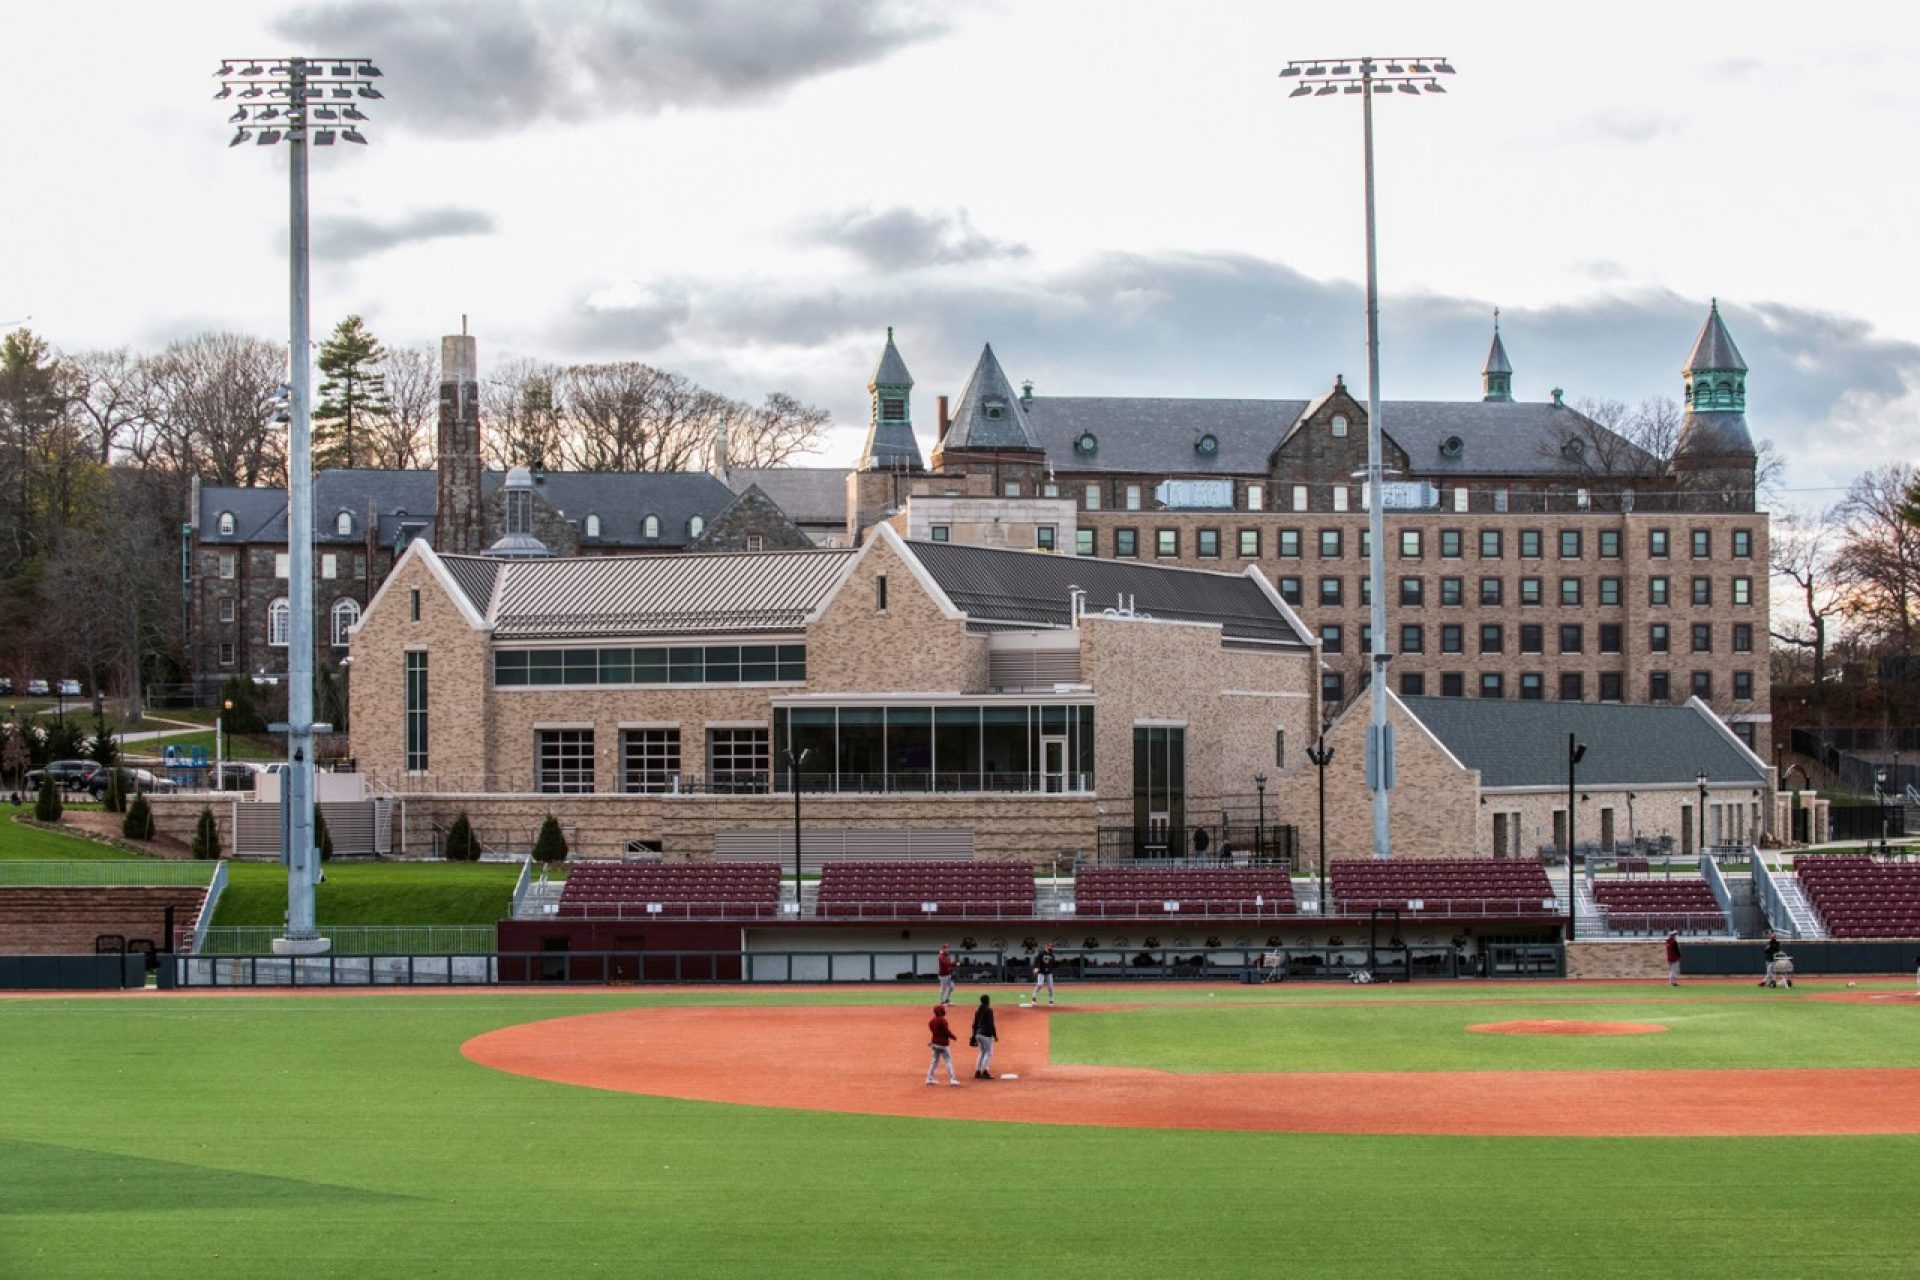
(267, 137)
(1292, 69)
(253, 91)
(239, 136)
(352, 113)
(226, 69)
(1369, 82)
(252, 69)
(239, 116)
(353, 135)
(226, 91)
(368, 69)
(368, 91)
(1434, 86)
(323, 137)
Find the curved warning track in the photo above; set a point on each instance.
(871, 1061)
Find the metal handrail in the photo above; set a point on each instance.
(521, 884)
(208, 904)
(1772, 905)
(1710, 872)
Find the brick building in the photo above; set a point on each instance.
(1533, 553)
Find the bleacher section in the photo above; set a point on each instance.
(52, 921)
(1442, 886)
(1182, 891)
(1655, 906)
(1859, 896)
(894, 889)
(675, 891)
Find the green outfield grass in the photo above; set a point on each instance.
(225, 1137)
(239, 747)
(374, 893)
(18, 841)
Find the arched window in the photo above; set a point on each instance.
(346, 612)
(343, 524)
(519, 511)
(650, 527)
(226, 524)
(279, 623)
(696, 527)
(593, 526)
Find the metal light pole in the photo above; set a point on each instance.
(1260, 832)
(292, 100)
(1700, 779)
(795, 763)
(1322, 756)
(1576, 751)
(1371, 78)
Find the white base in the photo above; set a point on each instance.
(301, 946)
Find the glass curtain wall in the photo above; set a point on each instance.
(1017, 748)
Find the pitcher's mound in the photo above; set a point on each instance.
(1556, 1027)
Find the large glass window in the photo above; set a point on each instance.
(563, 760)
(679, 664)
(739, 761)
(649, 760)
(416, 711)
(279, 623)
(993, 747)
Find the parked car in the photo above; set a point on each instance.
(234, 775)
(69, 688)
(6, 686)
(131, 781)
(37, 688)
(68, 775)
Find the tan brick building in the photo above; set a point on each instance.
(1005, 703)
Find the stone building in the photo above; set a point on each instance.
(998, 703)
(1533, 553)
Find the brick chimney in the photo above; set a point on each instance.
(457, 525)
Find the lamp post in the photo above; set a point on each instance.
(1701, 779)
(1371, 78)
(1322, 756)
(1576, 751)
(796, 761)
(1260, 832)
(292, 100)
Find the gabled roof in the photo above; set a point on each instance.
(998, 587)
(623, 499)
(1159, 435)
(649, 595)
(1497, 437)
(809, 495)
(989, 415)
(1524, 744)
(1714, 348)
(259, 514)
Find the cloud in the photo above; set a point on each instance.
(900, 238)
(492, 66)
(343, 238)
(1833, 393)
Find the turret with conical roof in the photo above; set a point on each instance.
(990, 416)
(1496, 380)
(1714, 434)
(890, 444)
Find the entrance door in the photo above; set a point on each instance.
(1053, 765)
(1606, 830)
(1499, 835)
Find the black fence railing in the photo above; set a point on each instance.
(1195, 844)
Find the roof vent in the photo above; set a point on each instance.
(1087, 443)
(1574, 448)
(1207, 445)
(1452, 447)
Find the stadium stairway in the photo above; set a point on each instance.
(1588, 919)
(1806, 921)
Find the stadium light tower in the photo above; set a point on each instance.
(302, 102)
(1371, 78)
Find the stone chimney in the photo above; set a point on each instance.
(457, 522)
(717, 460)
(941, 420)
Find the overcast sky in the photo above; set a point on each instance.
(1119, 196)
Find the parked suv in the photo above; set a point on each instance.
(68, 775)
(131, 781)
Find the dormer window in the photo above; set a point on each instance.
(593, 526)
(519, 512)
(696, 526)
(343, 524)
(650, 527)
(893, 409)
(995, 410)
(1088, 443)
(225, 524)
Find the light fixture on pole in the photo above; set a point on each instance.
(1373, 78)
(301, 82)
(1260, 832)
(1322, 756)
(1576, 751)
(796, 761)
(1700, 779)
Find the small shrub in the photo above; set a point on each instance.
(114, 798)
(322, 838)
(550, 846)
(206, 837)
(461, 846)
(138, 824)
(47, 806)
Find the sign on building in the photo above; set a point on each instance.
(1216, 495)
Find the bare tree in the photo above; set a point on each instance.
(404, 438)
(518, 416)
(212, 405)
(111, 400)
(1876, 563)
(1618, 439)
(1801, 551)
(613, 415)
(780, 430)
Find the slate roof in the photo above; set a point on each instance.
(1714, 348)
(996, 587)
(809, 495)
(613, 596)
(1497, 361)
(892, 370)
(971, 428)
(622, 500)
(1718, 433)
(1499, 437)
(1524, 744)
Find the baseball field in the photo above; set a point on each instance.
(1500, 1130)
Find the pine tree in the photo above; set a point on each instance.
(550, 846)
(104, 751)
(47, 806)
(460, 843)
(206, 837)
(353, 396)
(322, 838)
(138, 824)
